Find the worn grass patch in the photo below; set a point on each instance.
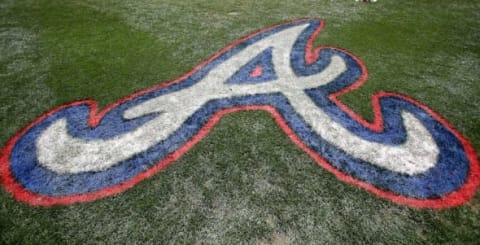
(246, 182)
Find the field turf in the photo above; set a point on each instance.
(246, 182)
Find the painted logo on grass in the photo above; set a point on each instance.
(408, 154)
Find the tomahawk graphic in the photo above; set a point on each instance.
(408, 154)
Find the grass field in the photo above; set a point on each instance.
(246, 182)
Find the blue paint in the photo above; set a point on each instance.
(264, 60)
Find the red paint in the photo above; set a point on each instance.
(257, 71)
(458, 197)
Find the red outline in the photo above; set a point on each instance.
(458, 197)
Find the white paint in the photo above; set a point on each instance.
(416, 155)
(62, 153)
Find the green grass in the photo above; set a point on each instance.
(246, 182)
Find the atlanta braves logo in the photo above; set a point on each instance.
(408, 154)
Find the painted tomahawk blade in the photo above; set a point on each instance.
(408, 154)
